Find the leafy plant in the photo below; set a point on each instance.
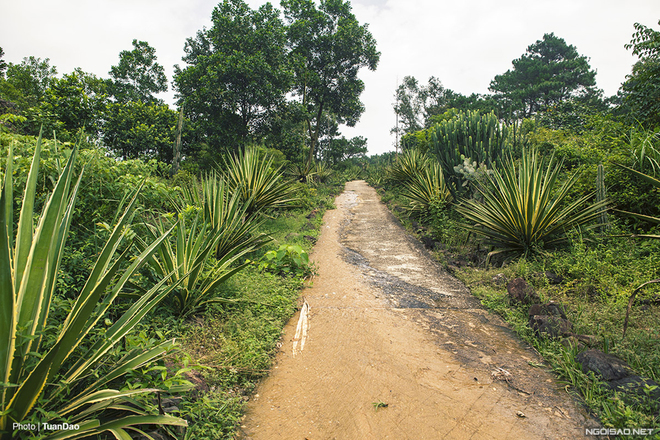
(653, 181)
(408, 165)
(427, 188)
(287, 260)
(188, 259)
(257, 182)
(31, 371)
(481, 137)
(524, 209)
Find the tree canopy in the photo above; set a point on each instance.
(550, 72)
(237, 74)
(328, 47)
(641, 90)
(138, 77)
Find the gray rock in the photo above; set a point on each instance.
(636, 385)
(607, 366)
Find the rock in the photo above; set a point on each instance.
(636, 385)
(607, 366)
(310, 238)
(521, 293)
(552, 326)
(553, 278)
(551, 308)
(312, 214)
(499, 279)
(429, 242)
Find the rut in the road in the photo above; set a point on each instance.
(388, 325)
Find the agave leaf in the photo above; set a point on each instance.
(7, 298)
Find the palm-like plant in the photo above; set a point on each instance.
(524, 209)
(426, 189)
(188, 258)
(29, 369)
(408, 165)
(257, 182)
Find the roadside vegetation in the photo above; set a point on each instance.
(562, 192)
(150, 256)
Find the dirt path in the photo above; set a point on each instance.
(387, 324)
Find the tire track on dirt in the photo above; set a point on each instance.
(387, 324)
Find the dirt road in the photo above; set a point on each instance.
(395, 348)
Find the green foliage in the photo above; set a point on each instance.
(26, 83)
(641, 92)
(137, 130)
(138, 76)
(549, 73)
(524, 209)
(656, 183)
(426, 190)
(328, 47)
(34, 370)
(187, 259)
(258, 184)
(237, 74)
(287, 260)
(478, 137)
(408, 165)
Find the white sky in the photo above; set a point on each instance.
(462, 43)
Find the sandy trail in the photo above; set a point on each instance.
(388, 325)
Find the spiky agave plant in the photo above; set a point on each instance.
(258, 183)
(408, 165)
(60, 376)
(523, 208)
(426, 189)
(187, 258)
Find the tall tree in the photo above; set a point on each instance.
(76, 101)
(549, 73)
(26, 83)
(138, 77)
(138, 130)
(641, 90)
(237, 74)
(416, 104)
(328, 47)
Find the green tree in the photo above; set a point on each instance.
(328, 48)
(549, 73)
(26, 83)
(237, 74)
(138, 76)
(640, 92)
(139, 130)
(76, 101)
(335, 151)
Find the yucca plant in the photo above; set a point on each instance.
(523, 208)
(223, 209)
(62, 377)
(408, 165)
(188, 259)
(426, 189)
(258, 183)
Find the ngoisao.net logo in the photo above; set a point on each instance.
(45, 427)
(619, 431)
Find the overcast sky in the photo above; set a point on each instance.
(462, 43)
